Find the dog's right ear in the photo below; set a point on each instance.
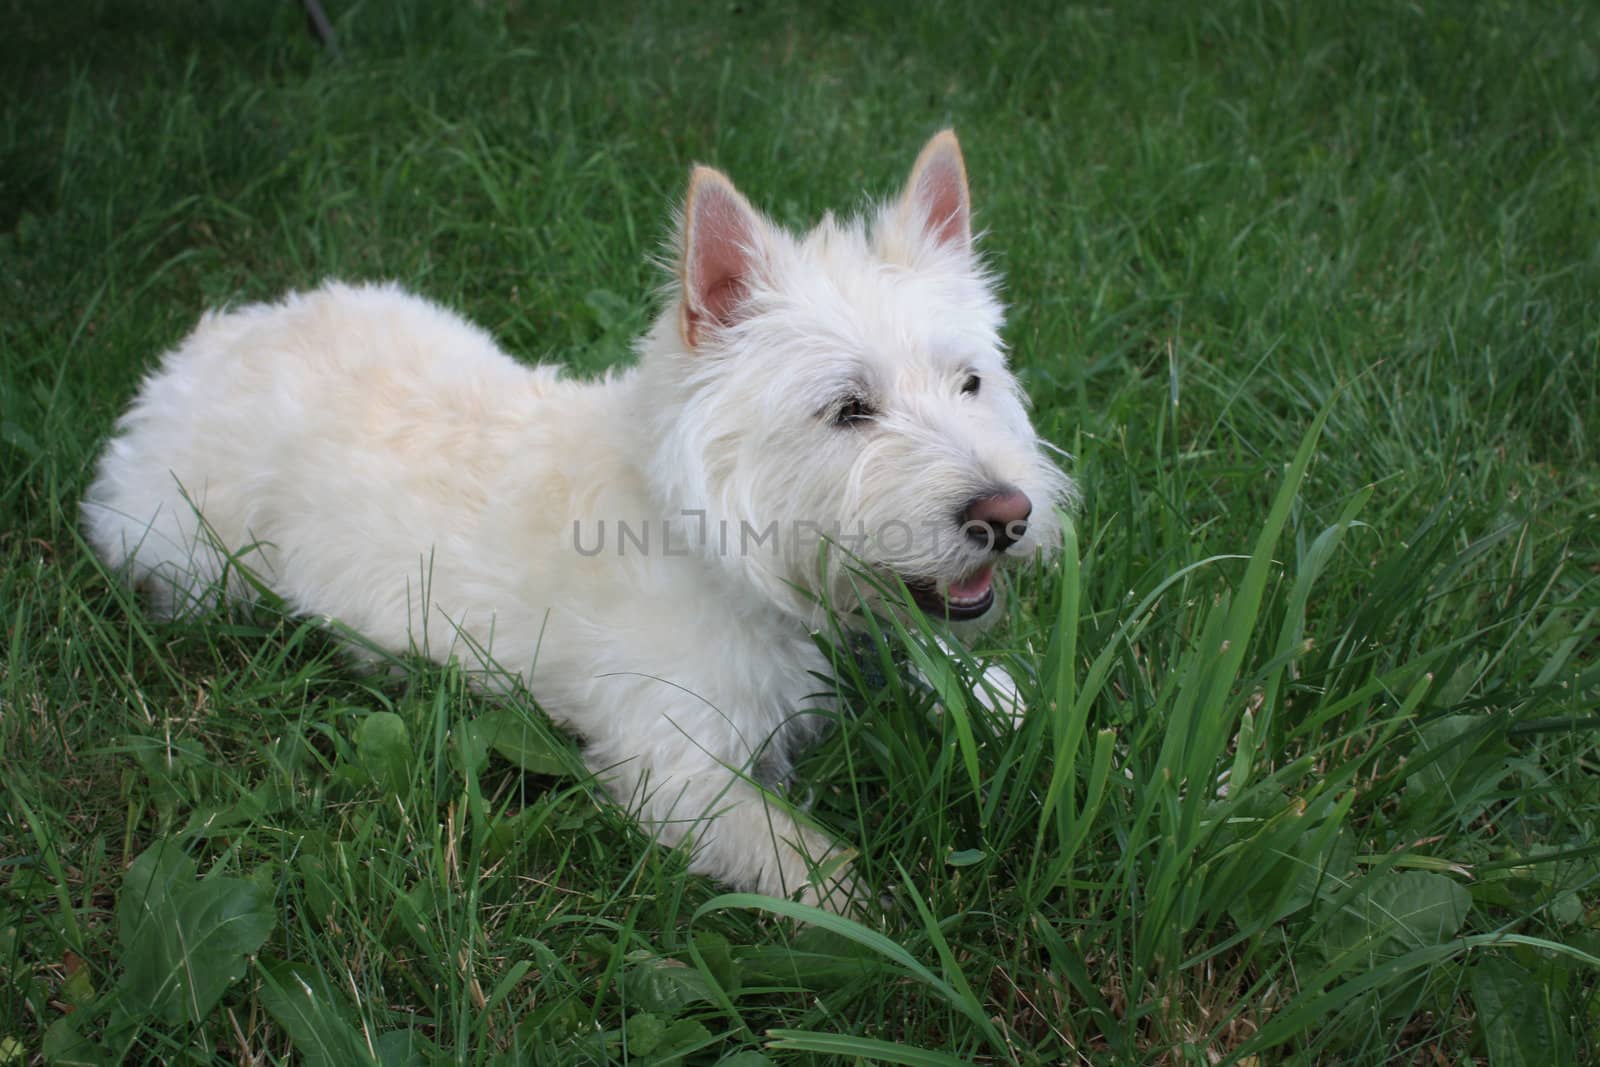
(936, 197)
(723, 243)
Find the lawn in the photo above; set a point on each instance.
(1310, 294)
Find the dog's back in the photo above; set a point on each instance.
(360, 420)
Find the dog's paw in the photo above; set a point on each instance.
(992, 687)
(818, 872)
(997, 691)
(838, 892)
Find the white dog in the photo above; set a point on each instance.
(651, 552)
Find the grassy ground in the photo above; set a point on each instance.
(1312, 294)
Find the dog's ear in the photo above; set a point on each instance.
(936, 198)
(723, 242)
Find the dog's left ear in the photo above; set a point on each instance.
(723, 243)
(936, 197)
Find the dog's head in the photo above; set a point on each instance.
(848, 386)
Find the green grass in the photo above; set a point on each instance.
(1311, 294)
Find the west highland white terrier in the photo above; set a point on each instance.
(815, 422)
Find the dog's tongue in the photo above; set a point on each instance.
(972, 588)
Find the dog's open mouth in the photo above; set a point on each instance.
(967, 598)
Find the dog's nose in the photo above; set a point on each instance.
(997, 521)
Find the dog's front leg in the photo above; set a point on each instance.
(738, 833)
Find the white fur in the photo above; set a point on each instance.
(376, 460)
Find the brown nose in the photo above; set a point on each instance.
(997, 521)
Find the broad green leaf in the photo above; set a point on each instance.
(523, 743)
(745, 1059)
(78, 990)
(1443, 747)
(64, 1046)
(1520, 1016)
(185, 941)
(1396, 912)
(1290, 869)
(682, 1037)
(383, 745)
(664, 986)
(302, 1001)
(644, 1031)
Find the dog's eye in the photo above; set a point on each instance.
(970, 386)
(854, 412)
